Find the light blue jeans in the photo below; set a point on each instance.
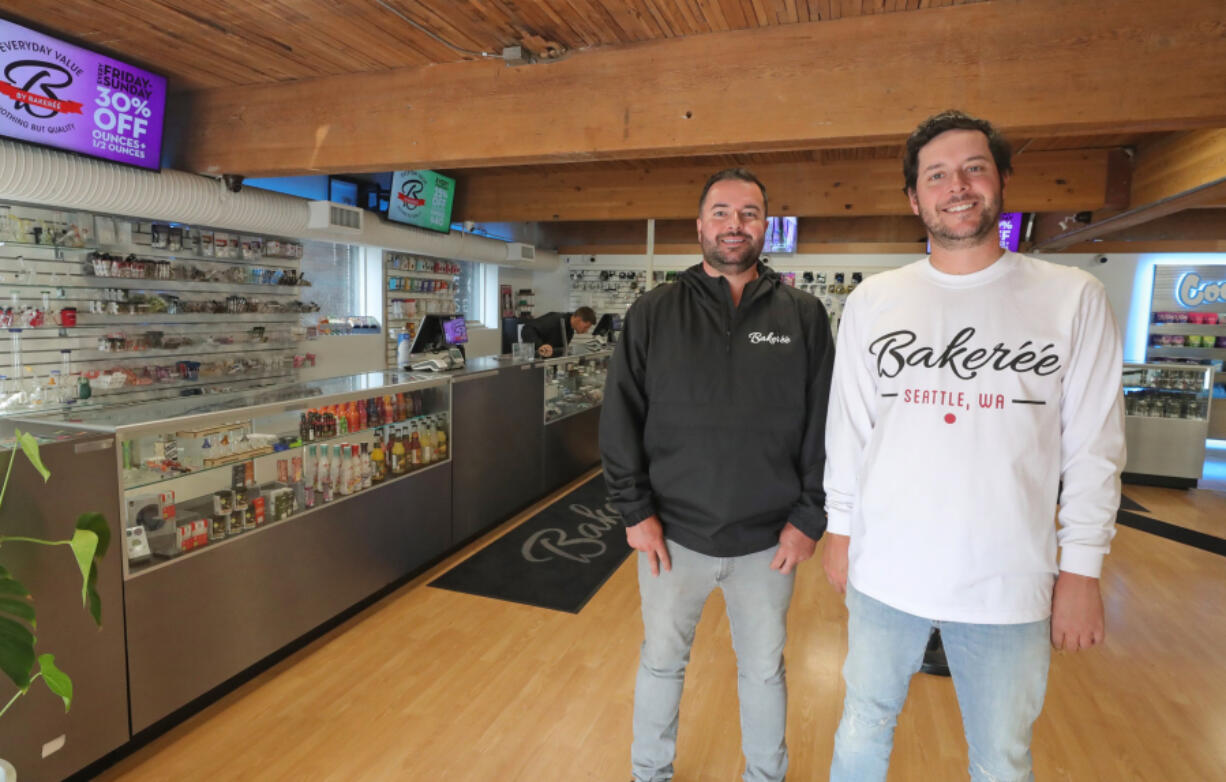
(757, 599)
(999, 673)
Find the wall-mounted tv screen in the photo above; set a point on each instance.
(1010, 230)
(780, 235)
(59, 95)
(422, 198)
(342, 191)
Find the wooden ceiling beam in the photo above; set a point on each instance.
(1175, 173)
(861, 81)
(1072, 180)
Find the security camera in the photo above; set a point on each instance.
(233, 182)
(1101, 259)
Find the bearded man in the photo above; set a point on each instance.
(712, 435)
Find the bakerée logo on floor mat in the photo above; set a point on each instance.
(583, 545)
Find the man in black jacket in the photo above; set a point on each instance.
(553, 331)
(712, 435)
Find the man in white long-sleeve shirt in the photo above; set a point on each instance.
(968, 388)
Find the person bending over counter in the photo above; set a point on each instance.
(553, 331)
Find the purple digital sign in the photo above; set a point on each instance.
(455, 331)
(63, 96)
(1010, 230)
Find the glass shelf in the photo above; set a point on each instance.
(45, 245)
(1173, 391)
(421, 275)
(139, 477)
(574, 384)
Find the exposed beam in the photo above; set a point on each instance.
(1175, 173)
(1073, 180)
(854, 82)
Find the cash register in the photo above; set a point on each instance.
(437, 346)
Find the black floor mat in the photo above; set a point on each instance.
(1172, 532)
(557, 559)
(1129, 504)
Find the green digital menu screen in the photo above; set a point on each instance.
(422, 198)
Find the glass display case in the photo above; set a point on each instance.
(196, 472)
(1167, 421)
(574, 384)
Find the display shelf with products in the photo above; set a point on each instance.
(1166, 421)
(574, 384)
(415, 286)
(194, 473)
(93, 296)
(1187, 327)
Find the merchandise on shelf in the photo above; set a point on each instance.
(574, 384)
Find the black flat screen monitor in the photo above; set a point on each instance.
(607, 324)
(432, 334)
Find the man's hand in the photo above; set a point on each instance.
(1076, 613)
(648, 537)
(545, 351)
(794, 547)
(834, 560)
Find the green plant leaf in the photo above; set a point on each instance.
(16, 652)
(96, 523)
(95, 600)
(29, 446)
(10, 585)
(84, 543)
(57, 681)
(18, 608)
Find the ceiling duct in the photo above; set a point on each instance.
(47, 177)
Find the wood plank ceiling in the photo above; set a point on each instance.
(219, 43)
(216, 44)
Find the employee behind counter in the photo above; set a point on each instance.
(554, 331)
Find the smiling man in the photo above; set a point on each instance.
(711, 434)
(970, 386)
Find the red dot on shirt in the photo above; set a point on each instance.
(950, 418)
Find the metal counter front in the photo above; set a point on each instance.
(82, 470)
(229, 559)
(190, 616)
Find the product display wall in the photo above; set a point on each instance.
(142, 310)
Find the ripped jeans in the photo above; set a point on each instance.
(999, 673)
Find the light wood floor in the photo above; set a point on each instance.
(436, 685)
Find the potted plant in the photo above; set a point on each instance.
(20, 661)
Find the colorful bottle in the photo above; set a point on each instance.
(378, 467)
(399, 456)
(325, 475)
(440, 439)
(309, 477)
(427, 441)
(344, 475)
(415, 454)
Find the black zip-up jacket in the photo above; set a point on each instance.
(714, 417)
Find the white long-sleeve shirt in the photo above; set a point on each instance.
(959, 404)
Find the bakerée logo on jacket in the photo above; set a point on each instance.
(770, 338)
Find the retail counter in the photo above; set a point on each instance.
(522, 429)
(224, 553)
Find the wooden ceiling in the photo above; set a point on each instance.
(819, 93)
(215, 43)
